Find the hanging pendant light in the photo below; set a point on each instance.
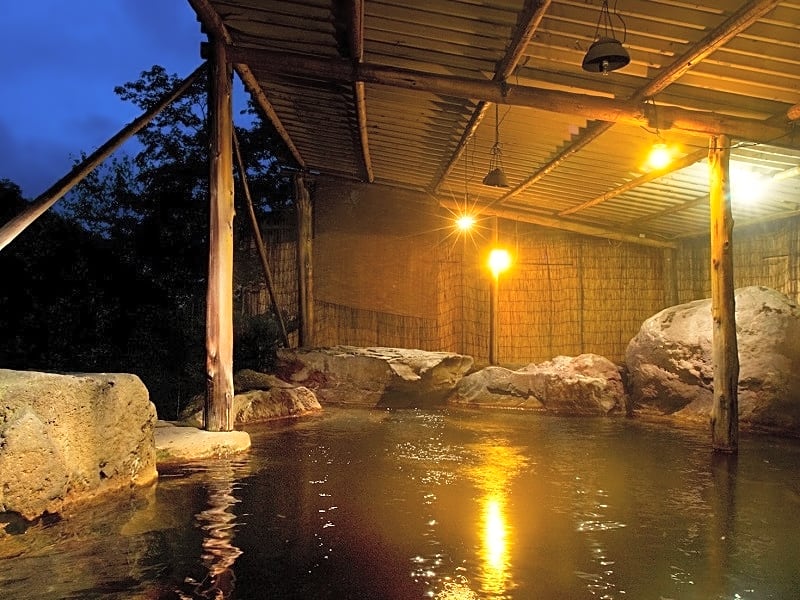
(606, 53)
(496, 177)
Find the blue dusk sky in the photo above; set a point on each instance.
(60, 63)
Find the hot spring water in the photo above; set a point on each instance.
(449, 504)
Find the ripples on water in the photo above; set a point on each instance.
(449, 504)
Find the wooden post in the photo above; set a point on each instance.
(56, 191)
(494, 301)
(724, 347)
(494, 319)
(262, 254)
(670, 276)
(304, 262)
(219, 302)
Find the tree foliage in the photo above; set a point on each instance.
(116, 279)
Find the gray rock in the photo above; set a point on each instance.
(375, 376)
(248, 379)
(585, 384)
(670, 368)
(259, 397)
(64, 438)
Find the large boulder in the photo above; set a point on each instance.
(64, 438)
(259, 397)
(584, 384)
(670, 369)
(376, 376)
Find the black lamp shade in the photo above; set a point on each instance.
(496, 178)
(604, 55)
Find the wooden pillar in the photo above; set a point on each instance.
(262, 252)
(304, 262)
(670, 276)
(792, 264)
(494, 319)
(724, 347)
(494, 301)
(219, 300)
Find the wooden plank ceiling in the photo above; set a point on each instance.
(406, 94)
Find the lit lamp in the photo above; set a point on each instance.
(499, 262)
(465, 222)
(606, 52)
(659, 156)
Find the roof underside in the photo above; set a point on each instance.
(405, 94)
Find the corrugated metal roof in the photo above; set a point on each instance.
(724, 59)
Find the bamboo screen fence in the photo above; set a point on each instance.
(565, 294)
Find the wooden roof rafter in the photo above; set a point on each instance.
(592, 107)
(430, 70)
(357, 53)
(528, 22)
(213, 23)
(736, 23)
(676, 165)
(533, 218)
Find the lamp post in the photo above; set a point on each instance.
(499, 261)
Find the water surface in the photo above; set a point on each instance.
(447, 504)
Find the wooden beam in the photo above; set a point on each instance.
(304, 262)
(527, 23)
(670, 276)
(357, 53)
(262, 253)
(219, 300)
(584, 105)
(546, 221)
(55, 192)
(677, 165)
(716, 38)
(252, 85)
(591, 133)
(743, 18)
(724, 347)
(213, 23)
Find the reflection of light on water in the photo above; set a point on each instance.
(218, 525)
(495, 548)
(456, 590)
(494, 534)
(493, 475)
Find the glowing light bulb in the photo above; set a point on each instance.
(659, 156)
(465, 222)
(499, 261)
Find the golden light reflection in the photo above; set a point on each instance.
(493, 477)
(218, 523)
(495, 544)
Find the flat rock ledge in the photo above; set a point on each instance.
(176, 443)
(65, 438)
(375, 376)
(587, 384)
